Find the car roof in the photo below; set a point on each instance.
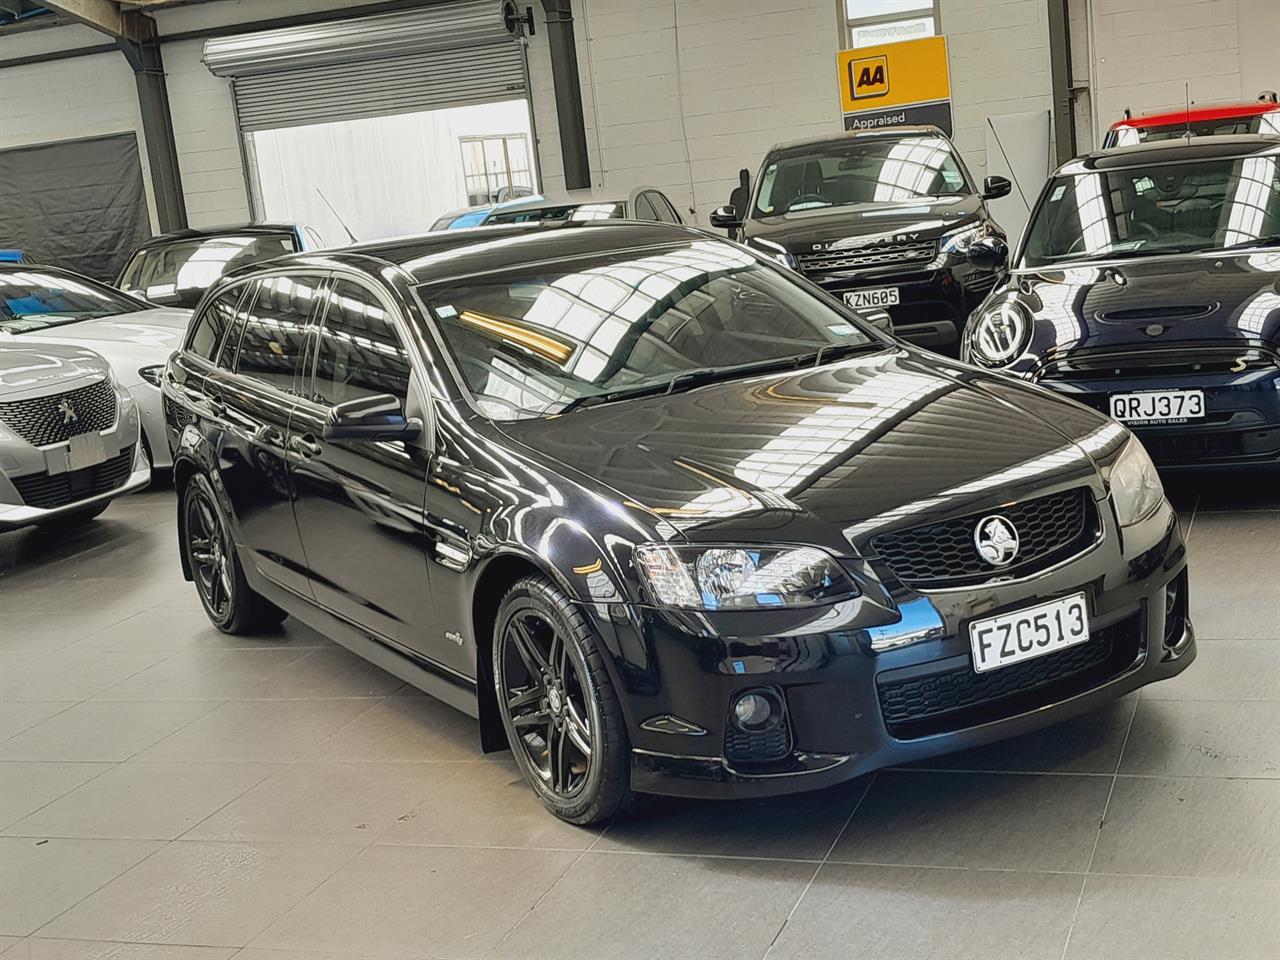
(452, 253)
(878, 133)
(1169, 118)
(198, 233)
(1177, 150)
(541, 203)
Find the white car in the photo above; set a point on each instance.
(48, 305)
(68, 436)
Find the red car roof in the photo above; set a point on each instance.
(1253, 109)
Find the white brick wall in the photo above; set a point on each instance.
(745, 74)
(204, 131)
(1146, 53)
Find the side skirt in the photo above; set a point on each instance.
(455, 691)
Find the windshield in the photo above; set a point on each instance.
(178, 273)
(568, 211)
(1160, 209)
(1268, 123)
(32, 300)
(540, 339)
(859, 171)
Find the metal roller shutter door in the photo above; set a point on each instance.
(446, 55)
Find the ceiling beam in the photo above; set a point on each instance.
(107, 17)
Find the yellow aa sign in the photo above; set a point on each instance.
(894, 74)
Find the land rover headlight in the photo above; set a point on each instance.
(1136, 489)
(739, 577)
(957, 242)
(1000, 333)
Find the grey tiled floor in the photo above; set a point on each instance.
(169, 793)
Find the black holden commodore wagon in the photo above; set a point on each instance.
(662, 515)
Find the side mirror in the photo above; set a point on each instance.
(989, 253)
(725, 218)
(379, 417)
(996, 187)
(879, 319)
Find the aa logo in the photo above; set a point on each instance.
(869, 77)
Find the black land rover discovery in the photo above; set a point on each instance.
(887, 219)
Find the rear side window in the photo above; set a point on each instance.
(211, 326)
(180, 271)
(666, 211)
(644, 209)
(275, 328)
(360, 352)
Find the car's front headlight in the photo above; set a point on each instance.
(152, 374)
(734, 577)
(1136, 489)
(1000, 333)
(957, 242)
(775, 252)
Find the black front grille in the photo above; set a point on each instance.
(61, 416)
(944, 554)
(1193, 447)
(916, 704)
(1150, 361)
(910, 255)
(47, 491)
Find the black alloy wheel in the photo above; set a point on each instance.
(232, 605)
(562, 718)
(209, 549)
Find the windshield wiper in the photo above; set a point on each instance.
(688, 379)
(835, 351)
(1270, 240)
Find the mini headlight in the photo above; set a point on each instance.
(733, 577)
(1000, 333)
(958, 241)
(1136, 489)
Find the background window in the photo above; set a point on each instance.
(872, 22)
(496, 168)
(275, 330)
(208, 331)
(361, 354)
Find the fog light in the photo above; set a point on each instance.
(755, 710)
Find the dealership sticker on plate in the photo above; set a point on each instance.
(872, 297)
(1157, 406)
(1028, 633)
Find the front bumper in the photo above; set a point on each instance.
(14, 515)
(151, 411)
(1241, 426)
(849, 692)
(934, 304)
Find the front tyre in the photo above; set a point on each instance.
(231, 604)
(558, 705)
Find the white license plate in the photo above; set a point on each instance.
(1158, 406)
(85, 450)
(1032, 632)
(875, 297)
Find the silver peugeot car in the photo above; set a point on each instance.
(68, 436)
(57, 306)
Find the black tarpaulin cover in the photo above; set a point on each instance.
(77, 204)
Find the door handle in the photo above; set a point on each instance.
(305, 445)
(216, 406)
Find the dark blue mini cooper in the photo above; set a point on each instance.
(1146, 286)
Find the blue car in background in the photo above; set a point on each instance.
(479, 215)
(1147, 286)
(14, 256)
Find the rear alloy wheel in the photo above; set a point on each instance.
(232, 605)
(558, 706)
